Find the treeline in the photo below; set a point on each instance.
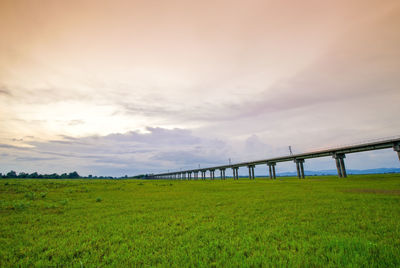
(72, 175)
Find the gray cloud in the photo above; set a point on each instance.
(4, 91)
(156, 150)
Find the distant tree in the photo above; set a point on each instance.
(90, 176)
(33, 175)
(12, 174)
(23, 175)
(73, 175)
(54, 176)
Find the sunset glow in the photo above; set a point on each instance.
(125, 87)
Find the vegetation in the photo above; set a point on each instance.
(319, 221)
(72, 175)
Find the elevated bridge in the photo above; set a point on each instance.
(338, 154)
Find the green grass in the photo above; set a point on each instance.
(319, 221)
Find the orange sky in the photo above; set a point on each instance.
(308, 68)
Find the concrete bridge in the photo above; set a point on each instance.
(338, 154)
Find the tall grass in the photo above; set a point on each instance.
(319, 221)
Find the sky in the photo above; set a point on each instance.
(131, 87)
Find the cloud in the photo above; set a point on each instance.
(155, 150)
(5, 92)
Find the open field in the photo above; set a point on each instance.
(319, 221)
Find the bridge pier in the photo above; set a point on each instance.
(222, 173)
(300, 168)
(271, 167)
(251, 172)
(212, 175)
(340, 166)
(396, 148)
(235, 173)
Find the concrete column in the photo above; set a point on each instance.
(343, 166)
(302, 169)
(273, 171)
(298, 169)
(339, 170)
(251, 172)
(270, 171)
(396, 148)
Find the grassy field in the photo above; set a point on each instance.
(319, 221)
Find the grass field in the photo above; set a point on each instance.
(319, 221)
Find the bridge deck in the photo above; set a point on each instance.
(369, 146)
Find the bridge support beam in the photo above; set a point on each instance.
(340, 166)
(235, 173)
(271, 167)
(300, 168)
(396, 148)
(222, 173)
(251, 172)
